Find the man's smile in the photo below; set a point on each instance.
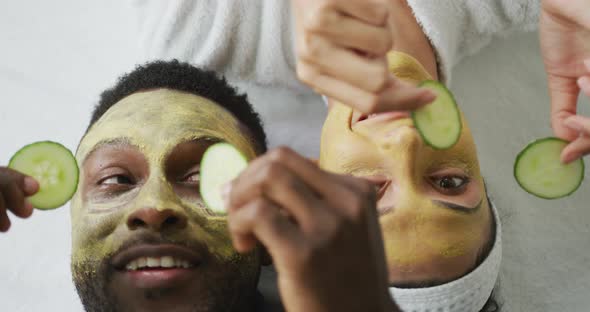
(156, 266)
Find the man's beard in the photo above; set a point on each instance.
(235, 291)
(91, 279)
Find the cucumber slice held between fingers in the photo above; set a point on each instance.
(539, 171)
(55, 169)
(439, 123)
(221, 163)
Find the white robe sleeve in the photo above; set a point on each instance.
(459, 28)
(248, 40)
(253, 40)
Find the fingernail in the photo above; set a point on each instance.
(573, 123)
(29, 209)
(583, 82)
(587, 64)
(31, 186)
(225, 190)
(428, 96)
(568, 158)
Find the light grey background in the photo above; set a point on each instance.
(56, 56)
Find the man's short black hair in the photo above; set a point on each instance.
(184, 77)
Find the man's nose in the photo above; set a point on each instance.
(157, 220)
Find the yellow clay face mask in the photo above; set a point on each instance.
(149, 126)
(433, 208)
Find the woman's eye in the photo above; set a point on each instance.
(193, 177)
(450, 184)
(116, 180)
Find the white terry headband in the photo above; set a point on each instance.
(468, 293)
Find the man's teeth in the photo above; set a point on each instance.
(157, 262)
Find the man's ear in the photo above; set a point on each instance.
(265, 258)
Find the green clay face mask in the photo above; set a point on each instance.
(138, 134)
(427, 237)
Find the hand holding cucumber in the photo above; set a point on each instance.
(54, 167)
(14, 188)
(553, 168)
(42, 175)
(316, 226)
(342, 47)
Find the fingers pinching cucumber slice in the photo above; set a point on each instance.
(221, 163)
(54, 167)
(539, 171)
(439, 123)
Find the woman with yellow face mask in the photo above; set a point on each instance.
(441, 233)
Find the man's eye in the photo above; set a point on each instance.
(380, 186)
(116, 180)
(193, 177)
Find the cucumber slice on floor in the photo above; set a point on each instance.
(439, 123)
(54, 167)
(221, 163)
(539, 171)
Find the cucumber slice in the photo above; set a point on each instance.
(539, 171)
(439, 123)
(54, 167)
(221, 163)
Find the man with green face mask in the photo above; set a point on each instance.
(142, 239)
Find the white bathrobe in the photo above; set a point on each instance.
(252, 43)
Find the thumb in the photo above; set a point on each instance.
(563, 93)
(576, 149)
(30, 186)
(27, 184)
(402, 96)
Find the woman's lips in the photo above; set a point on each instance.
(381, 117)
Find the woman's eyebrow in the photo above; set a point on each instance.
(361, 168)
(458, 208)
(459, 164)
